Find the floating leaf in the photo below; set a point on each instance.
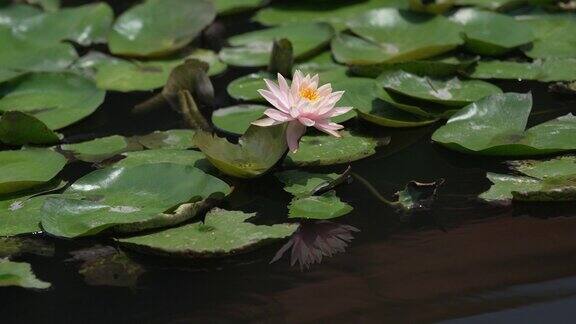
(551, 180)
(334, 12)
(554, 36)
(253, 49)
(246, 87)
(439, 66)
(489, 33)
(129, 198)
(11, 14)
(56, 99)
(364, 95)
(19, 274)
(28, 168)
(222, 233)
(498, 123)
(500, 5)
(112, 73)
(257, 151)
(436, 6)
(227, 7)
(399, 36)
(18, 55)
(106, 266)
(542, 70)
(18, 128)
(159, 27)
(170, 139)
(98, 149)
(328, 150)
(237, 119)
(184, 157)
(48, 5)
(418, 195)
(83, 24)
(20, 215)
(451, 92)
(302, 184)
(326, 206)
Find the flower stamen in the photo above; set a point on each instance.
(309, 94)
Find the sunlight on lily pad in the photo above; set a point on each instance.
(222, 233)
(159, 27)
(127, 199)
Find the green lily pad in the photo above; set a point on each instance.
(498, 123)
(48, 5)
(237, 119)
(363, 94)
(400, 36)
(11, 14)
(426, 109)
(302, 184)
(84, 25)
(169, 139)
(19, 274)
(254, 48)
(326, 206)
(439, 66)
(184, 157)
(56, 99)
(500, 5)
(257, 151)
(435, 7)
(451, 92)
(542, 70)
(19, 55)
(222, 233)
(21, 215)
(317, 150)
(128, 199)
(98, 149)
(550, 180)
(489, 33)
(116, 74)
(554, 36)
(159, 27)
(18, 128)
(227, 7)
(334, 12)
(28, 168)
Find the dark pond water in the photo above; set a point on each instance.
(461, 262)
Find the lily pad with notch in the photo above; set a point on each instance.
(98, 149)
(498, 125)
(222, 233)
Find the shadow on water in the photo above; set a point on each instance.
(460, 259)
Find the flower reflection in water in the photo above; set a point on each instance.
(313, 241)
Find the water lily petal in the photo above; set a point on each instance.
(306, 121)
(294, 131)
(277, 115)
(273, 100)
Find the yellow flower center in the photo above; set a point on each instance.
(309, 94)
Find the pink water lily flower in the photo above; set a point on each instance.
(301, 104)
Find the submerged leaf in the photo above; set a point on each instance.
(257, 151)
(418, 195)
(130, 198)
(498, 123)
(19, 274)
(16, 246)
(222, 233)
